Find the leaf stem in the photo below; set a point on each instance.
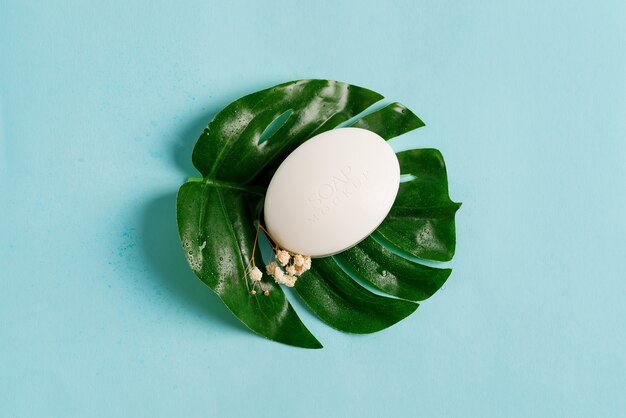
(269, 237)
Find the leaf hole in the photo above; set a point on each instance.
(406, 178)
(373, 108)
(363, 283)
(273, 127)
(398, 251)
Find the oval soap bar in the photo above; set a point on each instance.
(332, 192)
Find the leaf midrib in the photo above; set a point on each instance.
(238, 244)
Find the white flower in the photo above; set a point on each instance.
(307, 263)
(255, 274)
(279, 275)
(271, 268)
(289, 281)
(291, 270)
(283, 257)
(298, 260)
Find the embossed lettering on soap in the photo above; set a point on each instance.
(332, 194)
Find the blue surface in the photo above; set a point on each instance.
(101, 102)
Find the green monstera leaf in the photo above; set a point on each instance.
(237, 154)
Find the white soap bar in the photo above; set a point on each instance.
(332, 192)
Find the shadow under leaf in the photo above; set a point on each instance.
(162, 249)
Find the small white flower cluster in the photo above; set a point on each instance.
(287, 267)
(255, 274)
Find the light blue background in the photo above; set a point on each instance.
(101, 102)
